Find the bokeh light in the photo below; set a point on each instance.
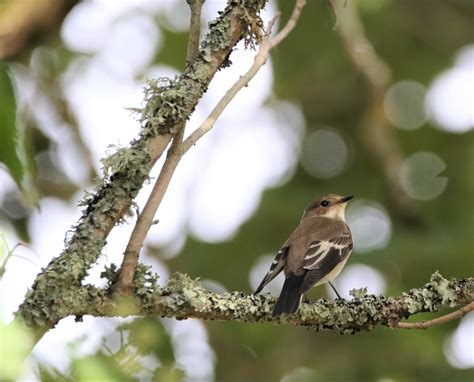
(191, 347)
(450, 98)
(174, 15)
(419, 176)
(355, 276)
(88, 18)
(459, 348)
(131, 46)
(324, 153)
(213, 286)
(300, 374)
(404, 104)
(229, 190)
(370, 225)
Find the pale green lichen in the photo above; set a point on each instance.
(219, 40)
(444, 289)
(411, 304)
(125, 159)
(145, 281)
(185, 297)
(358, 293)
(167, 103)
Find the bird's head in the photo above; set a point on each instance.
(330, 206)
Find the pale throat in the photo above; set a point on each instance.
(336, 212)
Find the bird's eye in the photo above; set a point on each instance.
(324, 203)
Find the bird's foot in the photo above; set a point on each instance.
(340, 301)
(337, 293)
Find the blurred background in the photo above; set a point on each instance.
(309, 123)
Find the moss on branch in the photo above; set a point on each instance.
(184, 297)
(167, 104)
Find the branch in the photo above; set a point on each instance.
(194, 28)
(260, 58)
(167, 106)
(290, 24)
(437, 321)
(124, 282)
(184, 298)
(379, 137)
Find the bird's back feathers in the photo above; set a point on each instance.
(315, 253)
(313, 235)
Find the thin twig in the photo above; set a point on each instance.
(124, 282)
(260, 58)
(107, 206)
(178, 148)
(437, 321)
(194, 28)
(290, 24)
(10, 254)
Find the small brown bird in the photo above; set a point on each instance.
(314, 254)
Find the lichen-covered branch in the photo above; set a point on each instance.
(126, 275)
(265, 46)
(184, 298)
(145, 219)
(194, 28)
(169, 102)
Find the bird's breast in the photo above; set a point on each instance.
(333, 274)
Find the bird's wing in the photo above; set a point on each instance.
(322, 257)
(277, 266)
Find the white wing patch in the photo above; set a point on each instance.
(318, 250)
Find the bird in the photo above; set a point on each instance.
(314, 254)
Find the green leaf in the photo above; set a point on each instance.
(105, 368)
(15, 345)
(8, 132)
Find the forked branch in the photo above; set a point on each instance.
(60, 282)
(264, 48)
(124, 282)
(145, 220)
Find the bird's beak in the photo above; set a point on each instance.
(346, 199)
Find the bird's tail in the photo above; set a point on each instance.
(290, 296)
